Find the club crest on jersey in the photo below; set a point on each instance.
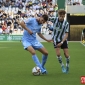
(58, 29)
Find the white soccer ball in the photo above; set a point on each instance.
(36, 71)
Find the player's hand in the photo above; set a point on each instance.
(49, 22)
(30, 32)
(59, 44)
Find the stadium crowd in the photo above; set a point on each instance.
(74, 2)
(13, 10)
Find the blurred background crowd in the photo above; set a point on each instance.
(74, 2)
(14, 10)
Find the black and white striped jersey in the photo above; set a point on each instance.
(59, 29)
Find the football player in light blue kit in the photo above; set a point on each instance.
(29, 41)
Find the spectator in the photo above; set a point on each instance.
(20, 5)
(51, 8)
(4, 27)
(1, 28)
(69, 2)
(24, 1)
(76, 3)
(56, 8)
(16, 9)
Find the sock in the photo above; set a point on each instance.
(67, 61)
(44, 59)
(37, 62)
(60, 60)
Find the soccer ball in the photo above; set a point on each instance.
(36, 71)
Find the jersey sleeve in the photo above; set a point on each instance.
(67, 28)
(39, 31)
(55, 20)
(51, 28)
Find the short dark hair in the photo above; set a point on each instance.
(61, 11)
(45, 17)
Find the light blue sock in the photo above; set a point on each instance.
(44, 59)
(37, 62)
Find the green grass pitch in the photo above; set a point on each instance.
(16, 65)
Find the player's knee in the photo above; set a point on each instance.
(58, 55)
(66, 54)
(46, 53)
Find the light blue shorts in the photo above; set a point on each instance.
(35, 44)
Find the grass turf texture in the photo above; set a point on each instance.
(16, 65)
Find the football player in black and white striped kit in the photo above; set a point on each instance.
(60, 34)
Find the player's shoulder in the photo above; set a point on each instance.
(56, 18)
(66, 22)
(31, 18)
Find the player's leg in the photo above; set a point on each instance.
(59, 57)
(35, 58)
(84, 37)
(38, 46)
(66, 53)
(28, 47)
(84, 34)
(44, 56)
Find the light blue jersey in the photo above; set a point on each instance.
(33, 25)
(30, 40)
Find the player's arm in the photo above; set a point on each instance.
(65, 37)
(50, 26)
(41, 36)
(22, 23)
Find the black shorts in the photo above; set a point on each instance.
(63, 46)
